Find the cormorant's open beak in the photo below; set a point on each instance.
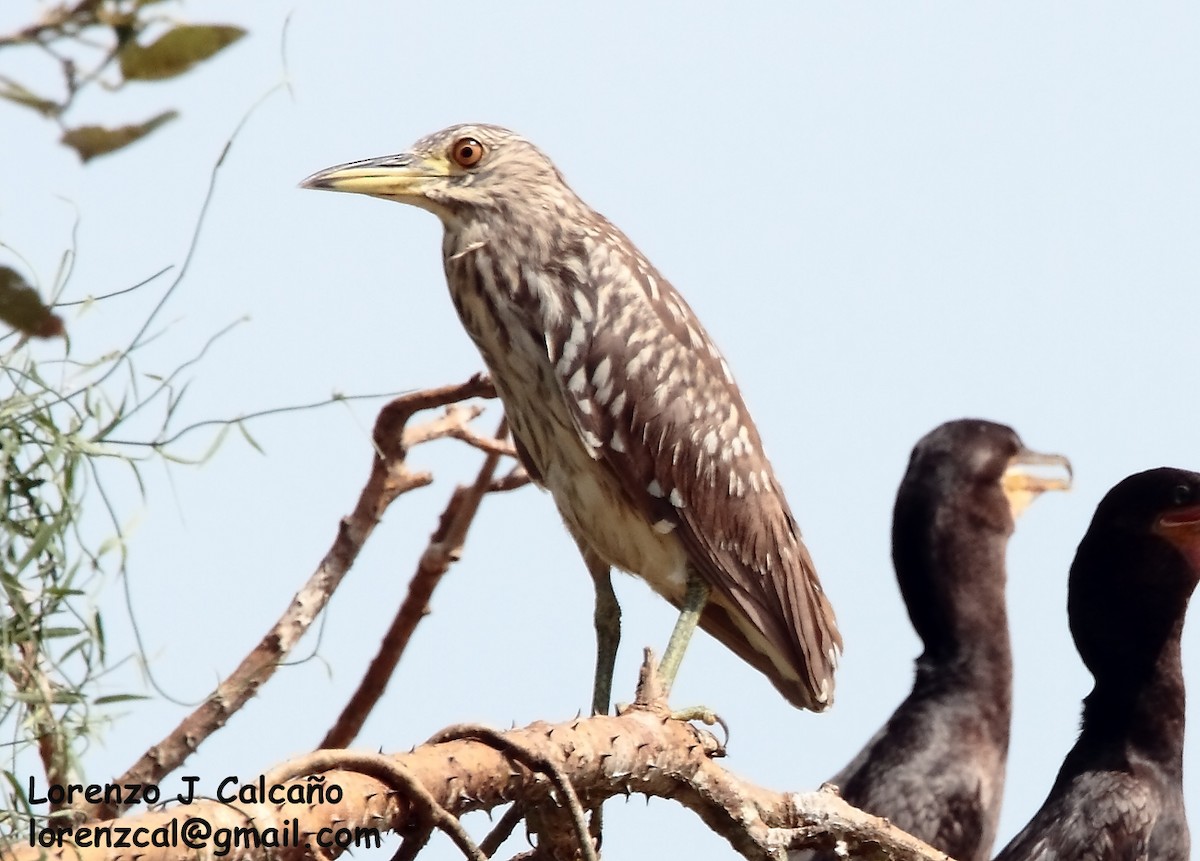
(1030, 474)
(1181, 520)
(405, 177)
(1182, 528)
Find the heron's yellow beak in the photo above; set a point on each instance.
(405, 177)
(1030, 474)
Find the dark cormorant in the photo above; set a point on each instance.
(936, 768)
(1119, 793)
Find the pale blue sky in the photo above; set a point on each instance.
(886, 217)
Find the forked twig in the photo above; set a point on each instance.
(444, 548)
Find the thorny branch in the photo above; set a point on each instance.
(641, 750)
(390, 477)
(549, 773)
(399, 780)
(534, 761)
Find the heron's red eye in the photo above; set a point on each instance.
(466, 152)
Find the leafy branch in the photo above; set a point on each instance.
(110, 43)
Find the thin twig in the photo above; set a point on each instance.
(55, 20)
(516, 478)
(503, 829)
(442, 427)
(483, 443)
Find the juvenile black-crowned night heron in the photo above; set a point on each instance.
(619, 404)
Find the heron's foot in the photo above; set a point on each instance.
(703, 714)
(706, 716)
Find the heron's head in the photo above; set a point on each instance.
(456, 173)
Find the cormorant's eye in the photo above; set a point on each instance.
(1182, 494)
(467, 152)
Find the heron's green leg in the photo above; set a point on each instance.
(693, 605)
(607, 619)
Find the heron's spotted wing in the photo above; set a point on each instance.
(653, 399)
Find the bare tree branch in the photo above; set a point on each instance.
(444, 549)
(389, 478)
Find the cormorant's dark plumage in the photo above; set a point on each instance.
(936, 768)
(1119, 793)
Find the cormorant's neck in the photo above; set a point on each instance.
(950, 565)
(969, 632)
(1138, 703)
(975, 673)
(954, 587)
(971, 663)
(948, 549)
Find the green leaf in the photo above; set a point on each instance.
(63, 592)
(18, 792)
(91, 141)
(246, 434)
(176, 51)
(14, 92)
(108, 545)
(118, 698)
(22, 308)
(63, 631)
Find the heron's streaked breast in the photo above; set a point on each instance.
(590, 500)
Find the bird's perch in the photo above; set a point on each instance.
(642, 750)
